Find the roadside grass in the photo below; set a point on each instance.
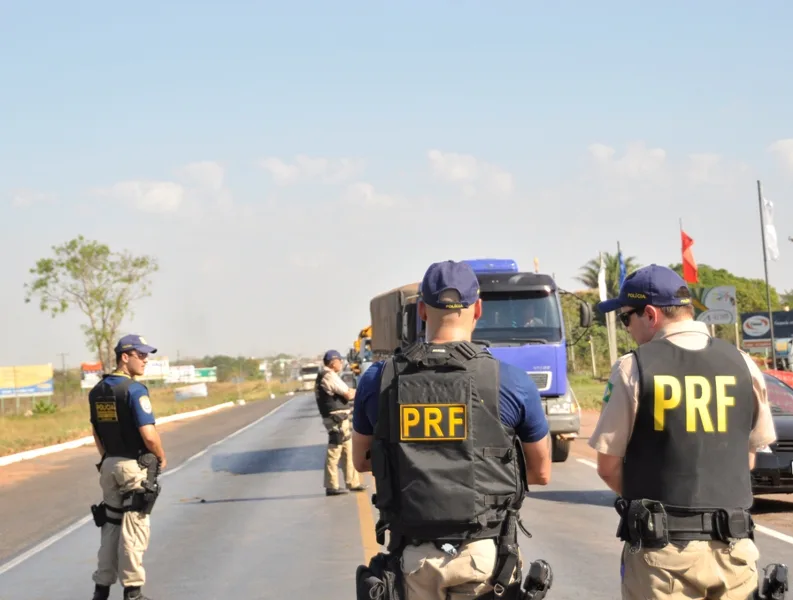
(588, 390)
(20, 433)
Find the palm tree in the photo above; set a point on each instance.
(589, 272)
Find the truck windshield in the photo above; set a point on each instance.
(309, 370)
(518, 316)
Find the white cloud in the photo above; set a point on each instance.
(784, 150)
(638, 162)
(205, 174)
(308, 168)
(473, 175)
(25, 198)
(148, 196)
(364, 194)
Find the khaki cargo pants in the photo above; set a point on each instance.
(697, 570)
(337, 451)
(122, 546)
(432, 574)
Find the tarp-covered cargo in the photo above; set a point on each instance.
(386, 312)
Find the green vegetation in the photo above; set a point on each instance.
(65, 423)
(751, 297)
(101, 283)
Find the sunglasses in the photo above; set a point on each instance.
(625, 317)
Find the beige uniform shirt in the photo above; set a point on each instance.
(332, 383)
(620, 400)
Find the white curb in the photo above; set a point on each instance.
(36, 452)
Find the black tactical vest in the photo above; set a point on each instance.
(687, 452)
(327, 403)
(114, 422)
(445, 467)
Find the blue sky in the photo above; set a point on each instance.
(484, 128)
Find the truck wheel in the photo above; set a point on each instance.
(560, 449)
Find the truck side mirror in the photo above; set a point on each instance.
(585, 314)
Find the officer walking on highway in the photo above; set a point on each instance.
(682, 418)
(452, 436)
(333, 397)
(125, 436)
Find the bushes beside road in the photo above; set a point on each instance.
(20, 433)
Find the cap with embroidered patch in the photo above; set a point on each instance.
(134, 342)
(449, 275)
(651, 285)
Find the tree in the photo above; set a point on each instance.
(101, 283)
(589, 272)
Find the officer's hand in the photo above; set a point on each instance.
(163, 463)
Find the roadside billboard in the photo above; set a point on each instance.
(197, 390)
(27, 381)
(715, 305)
(90, 374)
(756, 328)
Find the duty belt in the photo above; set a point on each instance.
(653, 525)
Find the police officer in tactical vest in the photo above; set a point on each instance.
(452, 436)
(132, 456)
(333, 401)
(682, 418)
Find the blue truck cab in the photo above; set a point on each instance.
(523, 324)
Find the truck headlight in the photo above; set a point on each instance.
(765, 450)
(561, 406)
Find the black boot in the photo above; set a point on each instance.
(101, 592)
(134, 593)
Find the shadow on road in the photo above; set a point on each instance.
(769, 506)
(259, 499)
(275, 460)
(591, 497)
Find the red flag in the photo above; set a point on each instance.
(689, 265)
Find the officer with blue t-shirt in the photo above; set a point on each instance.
(453, 437)
(126, 436)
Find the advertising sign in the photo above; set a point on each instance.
(156, 369)
(181, 374)
(715, 305)
(756, 328)
(198, 390)
(206, 374)
(27, 381)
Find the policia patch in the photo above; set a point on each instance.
(106, 411)
(433, 422)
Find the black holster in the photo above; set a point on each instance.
(774, 585)
(535, 587)
(143, 500)
(652, 525)
(381, 579)
(99, 513)
(336, 434)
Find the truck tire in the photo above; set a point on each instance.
(560, 449)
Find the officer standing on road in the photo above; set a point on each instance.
(440, 425)
(682, 418)
(333, 398)
(124, 431)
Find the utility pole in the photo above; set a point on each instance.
(63, 356)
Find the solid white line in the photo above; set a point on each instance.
(75, 526)
(761, 528)
(36, 452)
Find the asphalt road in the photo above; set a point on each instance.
(248, 519)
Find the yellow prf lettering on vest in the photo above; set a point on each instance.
(668, 392)
(433, 422)
(106, 411)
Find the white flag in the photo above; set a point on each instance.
(602, 280)
(771, 246)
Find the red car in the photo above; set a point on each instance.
(773, 472)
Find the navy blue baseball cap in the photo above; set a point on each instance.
(134, 342)
(330, 355)
(449, 275)
(653, 284)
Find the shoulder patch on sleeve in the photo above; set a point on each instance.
(607, 393)
(145, 404)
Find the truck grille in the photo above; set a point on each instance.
(783, 446)
(542, 379)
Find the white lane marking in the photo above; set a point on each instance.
(75, 526)
(761, 528)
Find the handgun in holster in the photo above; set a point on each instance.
(774, 585)
(143, 499)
